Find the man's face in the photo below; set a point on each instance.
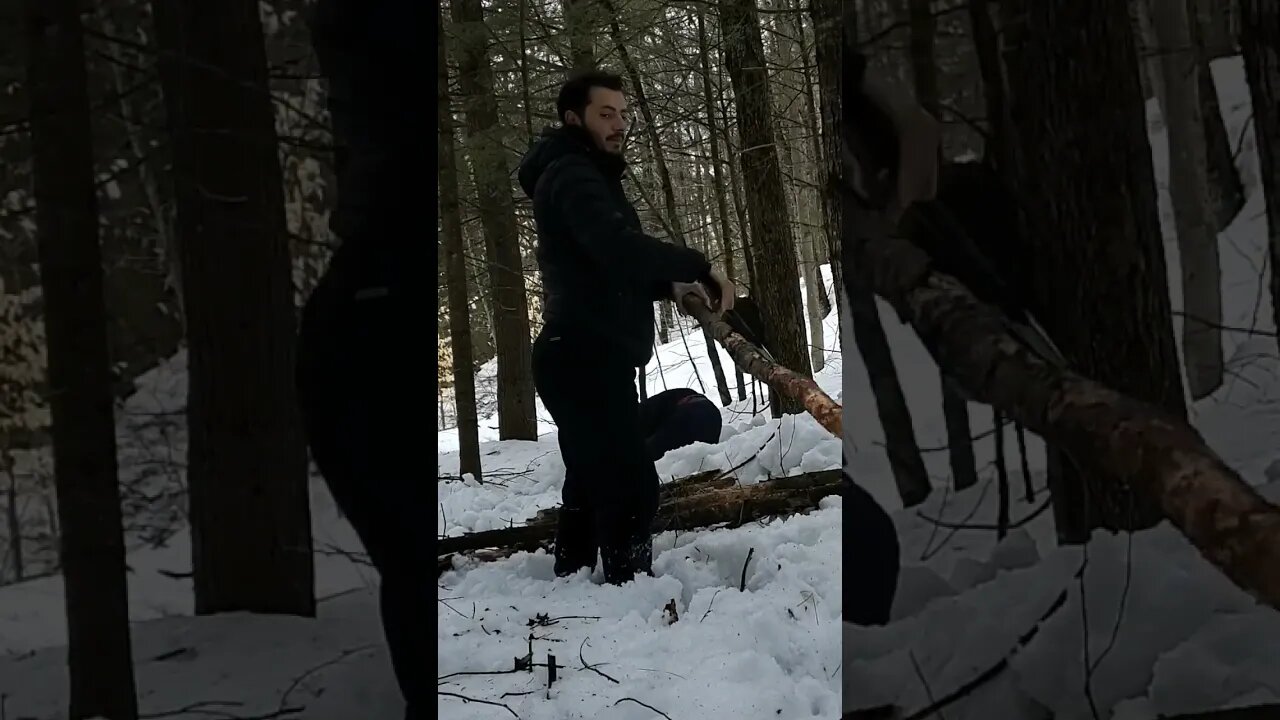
(605, 118)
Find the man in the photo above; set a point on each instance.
(356, 373)
(600, 276)
(678, 417)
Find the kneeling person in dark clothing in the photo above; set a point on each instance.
(601, 275)
(678, 417)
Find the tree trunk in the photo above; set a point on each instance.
(924, 70)
(987, 48)
(828, 17)
(1002, 479)
(12, 515)
(1148, 50)
(526, 101)
(1091, 213)
(1213, 17)
(955, 409)
(1118, 438)
(803, 204)
(813, 308)
(516, 412)
(813, 242)
(99, 654)
(777, 276)
(1189, 188)
(1209, 35)
(740, 209)
(717, 169)
(665, 322)
(1260, 43)
(247, 459)
(717, 164)
(583, 24)
(464, 380)
(955, 412)
(830, 235)
(712, 237)
(1226, 190)
(477, 274)
(1028, 490)
(908, 467)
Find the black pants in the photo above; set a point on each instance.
(352, 368)
(610, 491)
(869, 574)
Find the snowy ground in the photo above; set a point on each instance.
(1187, 640)
(771, 651)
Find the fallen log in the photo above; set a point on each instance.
(741, 504)
(716, 505)
(1116, 436)
(677, 488)
(788, 382)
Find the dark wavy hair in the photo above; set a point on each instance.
(575, 94)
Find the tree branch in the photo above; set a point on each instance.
(1116, 436)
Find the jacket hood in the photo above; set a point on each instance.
(555, 143)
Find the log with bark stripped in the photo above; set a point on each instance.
(1120, 438)
(792, 384)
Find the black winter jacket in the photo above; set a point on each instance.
(600, 273)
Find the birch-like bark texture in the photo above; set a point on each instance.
(1110, 434)
(796, 388)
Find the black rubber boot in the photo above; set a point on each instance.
(575, 545)
(642, 553)
(616, 547)
(625, 551)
